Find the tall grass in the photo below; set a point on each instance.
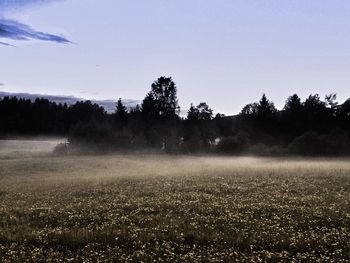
(174, 209)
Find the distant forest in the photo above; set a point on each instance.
(315, 126)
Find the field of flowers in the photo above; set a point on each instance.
(153, 208)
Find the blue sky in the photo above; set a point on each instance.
(224, 52)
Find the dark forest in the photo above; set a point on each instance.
(315, 126)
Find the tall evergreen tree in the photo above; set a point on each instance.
(293, 118)
(121, 114)
(266, 108)
(293, 104)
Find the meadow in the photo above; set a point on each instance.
(161, 208)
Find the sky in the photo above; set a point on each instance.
(224, 52)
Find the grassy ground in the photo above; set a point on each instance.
(173, 209)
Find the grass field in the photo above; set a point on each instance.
(155, 208)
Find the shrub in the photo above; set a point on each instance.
(310, 143)
(62, 149)
(97, 137)
(335, 143)
(306, 144)
(233, 144)
(261, 149)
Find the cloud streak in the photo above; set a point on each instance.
(11, 29)
(17, 31)
(20, 4)
(8, 45)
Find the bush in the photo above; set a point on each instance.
(261, 149)
(98, 137)
(306, 144)
(233, 144)
(61, 149)
(310, 143)
(335, 143)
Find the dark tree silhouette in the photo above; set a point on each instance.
(316, 114)
(293, 118)
(331, 100)
(162, 99)
(24, 117)
(293, 105)
(85, 111)
(313, 127)
(265, 109)
(201, 112)
(121, 115)
(343, 117)
(259, 120)
(261, 111)
(199, 130)
(160, 111)
(250, 109)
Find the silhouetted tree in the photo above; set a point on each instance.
(343, 116)
(293, 119)
(259, 120)
(162, 99)
(313, 127)
(250, 109)
(225, 125)
(293, 105)
(331, 100)
(265, 109)
(85, 111)
(199, 130)
(316, 114)
(26, 117)
(160, 111)
(262, 111)
(121, 115)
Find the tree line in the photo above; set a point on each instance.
(315, 126)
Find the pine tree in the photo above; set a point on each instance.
(121, 114)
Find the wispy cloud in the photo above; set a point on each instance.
(19, 4)
(6, 44)
(2, 84)
(11, 29)
(14, 30)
